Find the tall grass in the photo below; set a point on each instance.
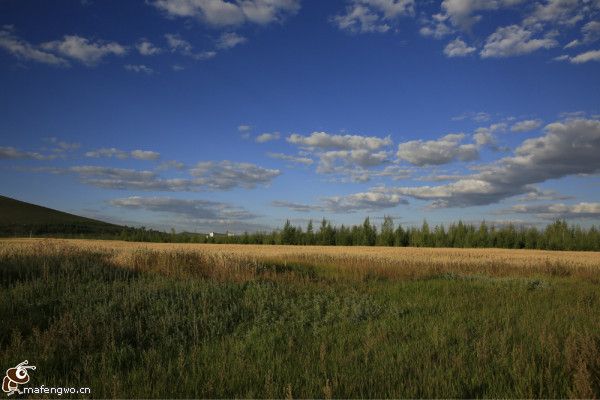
(179, 322)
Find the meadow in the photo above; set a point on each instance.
(148, 320)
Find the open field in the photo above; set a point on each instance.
(175, 320)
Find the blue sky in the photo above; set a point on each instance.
(236, 115)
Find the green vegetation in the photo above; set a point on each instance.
(183, 324)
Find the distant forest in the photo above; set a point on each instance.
(556, 236)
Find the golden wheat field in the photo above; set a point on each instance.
(389, 262)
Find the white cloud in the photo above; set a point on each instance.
(323, 140)
(514, 40)
(171, 164)
(363, 201)
(486, 136)
(349, 155)
(11, 153)
(294, 159)
(559, 211)
(591, 32)
(436, 152)
(267, 137)
(369, 16)
(107, 152)
(567, 148)
(458, 48)
(196, 209)
(83, 50)
(25, 51)
(435, 27)
(227, 175)
(146, 48)
(362, 157)
(181, 46)
(463, 13)
(224, 13)
(62, 146)
(475, 116)
(526, 126)
(128, 179)
(122, 154)
(592, 55)
(229, 40)
(139, 68)
(145, 155)
(562, 12)
(539, 195)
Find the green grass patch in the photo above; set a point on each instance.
(160, 330)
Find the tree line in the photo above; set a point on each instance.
(558, 235)
(555, 236)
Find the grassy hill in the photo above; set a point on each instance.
(18, 218)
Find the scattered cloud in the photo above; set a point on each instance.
(61, 146)
(567, 148)
(267, 137)
(436, 152)
(221, 13)
(227, 175)
(293, 159)
(145, 155)
(474, 116)
(181, 46)
(11, 153)
(486, 136)
(514, 40)
(122, 154)
(196, 209)
(560, 12)
(559, 211)
(229, 40)
(171, 164)
(26, 51)
(463, 14)
(548, 195)
(364, 201)
(128, 179)
(146, 48)
(344, 154)
(87, 52)
(526, 126)
(107, 152)
(298, 207)
(458, 48)
(139, 68)
(592, 55)
(436, 27)
(372, 16)
(323, 140)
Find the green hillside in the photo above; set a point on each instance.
(18, 218)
